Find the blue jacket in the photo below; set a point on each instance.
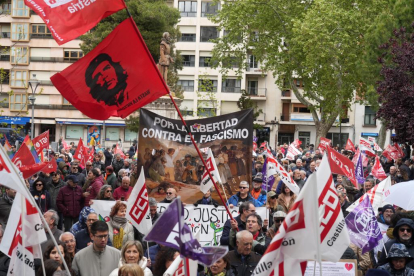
(153, 251)
(234, 199)
(224, 240)
(261, 199)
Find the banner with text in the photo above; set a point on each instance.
(169, 159)
(206, 218)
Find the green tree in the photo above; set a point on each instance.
(317, 41)
(207, 102)
(245, 102)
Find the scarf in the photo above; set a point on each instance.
(118, 222)
(220, 274)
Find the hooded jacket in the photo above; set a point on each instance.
(410, 245)
(142, 263)
(398, 250)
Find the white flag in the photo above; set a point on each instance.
(376, 196)
(206, 182)
(178, 268)
(21, 262)
(138, 206)
(11, 177)
(292, 152)
(286, 178)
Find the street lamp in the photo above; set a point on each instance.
(33, 83)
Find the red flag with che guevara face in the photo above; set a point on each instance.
(114, 79)
(69, 19)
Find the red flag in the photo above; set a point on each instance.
(89, 155)
(50, 167)
(65, 145)
(68, 19)
(30, 170)
(109, 82)
(377, 170)
(400, 151)
(324, 144)
(119, 150)
(254, 146)
(342, 165)
(391, 153)
(264, 145)
(41, 142)
(80, 153)
(23, 157)
(349, 145)
(297, 143)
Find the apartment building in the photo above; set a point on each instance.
(284, 118)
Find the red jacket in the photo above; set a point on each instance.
(93, 189)
(70, 201)
(120, 192)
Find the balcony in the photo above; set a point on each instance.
(5, 58)
(284, 117)
(286, 94)
(52, 59)
(257, 92)
(230, 89)
(41, 36)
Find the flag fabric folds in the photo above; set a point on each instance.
(41, 142)
(109, 82)
(138, 206)
(81, 153)
(28, 142)
(341, 164)
(292, 152)
(286, 178)
(349, 145)
(206, 182)
(378, 170)
(268, 172)
(359, 170)
(170, 230)
(363, 227)
(324, 144)
(67, 19)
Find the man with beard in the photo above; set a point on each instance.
(171, 195)
(298, 179)
(257, 192)
(384, 219)
(403, 233)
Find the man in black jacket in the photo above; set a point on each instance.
(242, 259)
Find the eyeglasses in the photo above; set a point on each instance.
(39, 184)
(408, 230)
(108, 191)
(273, 197)
(88, 165)
(169, 193)
(240, 187)
(101, 236)
(279, 220)
(69, 241)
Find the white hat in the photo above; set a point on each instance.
(279, 214)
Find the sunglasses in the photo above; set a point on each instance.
(108, 191)
(279, 220)
(169, 193)
(39, 184)
(273, 197)
(408, 230)
(243, 187)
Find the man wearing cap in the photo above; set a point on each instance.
(403, 233)
(257, 192)
(242, 196)
(278, 218)
(70, 201)
(384, 219)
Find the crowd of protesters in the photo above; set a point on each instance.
(91, 246)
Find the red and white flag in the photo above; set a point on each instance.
(264, 145)
(364, 158)
(376, 195)
(10, 176)
(179, 268)
(138, 206)
(89, 154)
(399, 149)
(68, 19)
(108, 82)
(377, 147)
(80, 153)
(292, 152)
(297, 143)
(391, 153)
(119, 150)
(341, 164)
(324, 143)
(64, 144)
(371, 139)
(286, 178)
(271, 164)
(41, 142)
(296, 242)
(365, 145)
(206, 182)
(27, 165)
(349, 145)
(377, 170)
(50, 167)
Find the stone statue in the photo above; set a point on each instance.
(165, 58)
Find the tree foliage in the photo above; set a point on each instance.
(396, 90)
(245, 102)
(318, 41)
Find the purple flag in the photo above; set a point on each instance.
(359, 170)
(268, 181)
(363, 227)
(170, 230)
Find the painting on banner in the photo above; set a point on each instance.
(206, 218)
(170, 160)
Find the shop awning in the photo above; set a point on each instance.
(14, 120)
(89, 122)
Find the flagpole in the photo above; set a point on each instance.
(181, 117)
(41, 259)
(180, 220)
(22, 214)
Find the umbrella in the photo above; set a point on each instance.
(401, 194)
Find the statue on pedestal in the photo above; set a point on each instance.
(165, 58)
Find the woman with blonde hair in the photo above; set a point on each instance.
(132, 253)
(120, 230)
(130, 270)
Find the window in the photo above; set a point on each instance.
(206, 112)
(298, 83)
(230, 62)
(18, 78)
(18, 102)
(231, 85)
(186, 85)
(335, 139)
(19, 9)
(204, 62)
(300, 108)
(5, 53)
(188, 38)
(65, 102)
(74, 132)
(187, 112)
(20, 31)
(253, 62)
(5, 77)
(40, 31)
(369, 118)
(72, 55)
(188, 60)
(112, 134)
(5, 8)
(208, 33)
(187, 8)
(207, 85)
(19, 55)
(130, 135)
(254, 36)
(209, 8)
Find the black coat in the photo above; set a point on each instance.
(224, 240)
(243, 266)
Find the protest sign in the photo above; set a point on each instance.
(206, 218)
(341, 268)
(169, 159)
